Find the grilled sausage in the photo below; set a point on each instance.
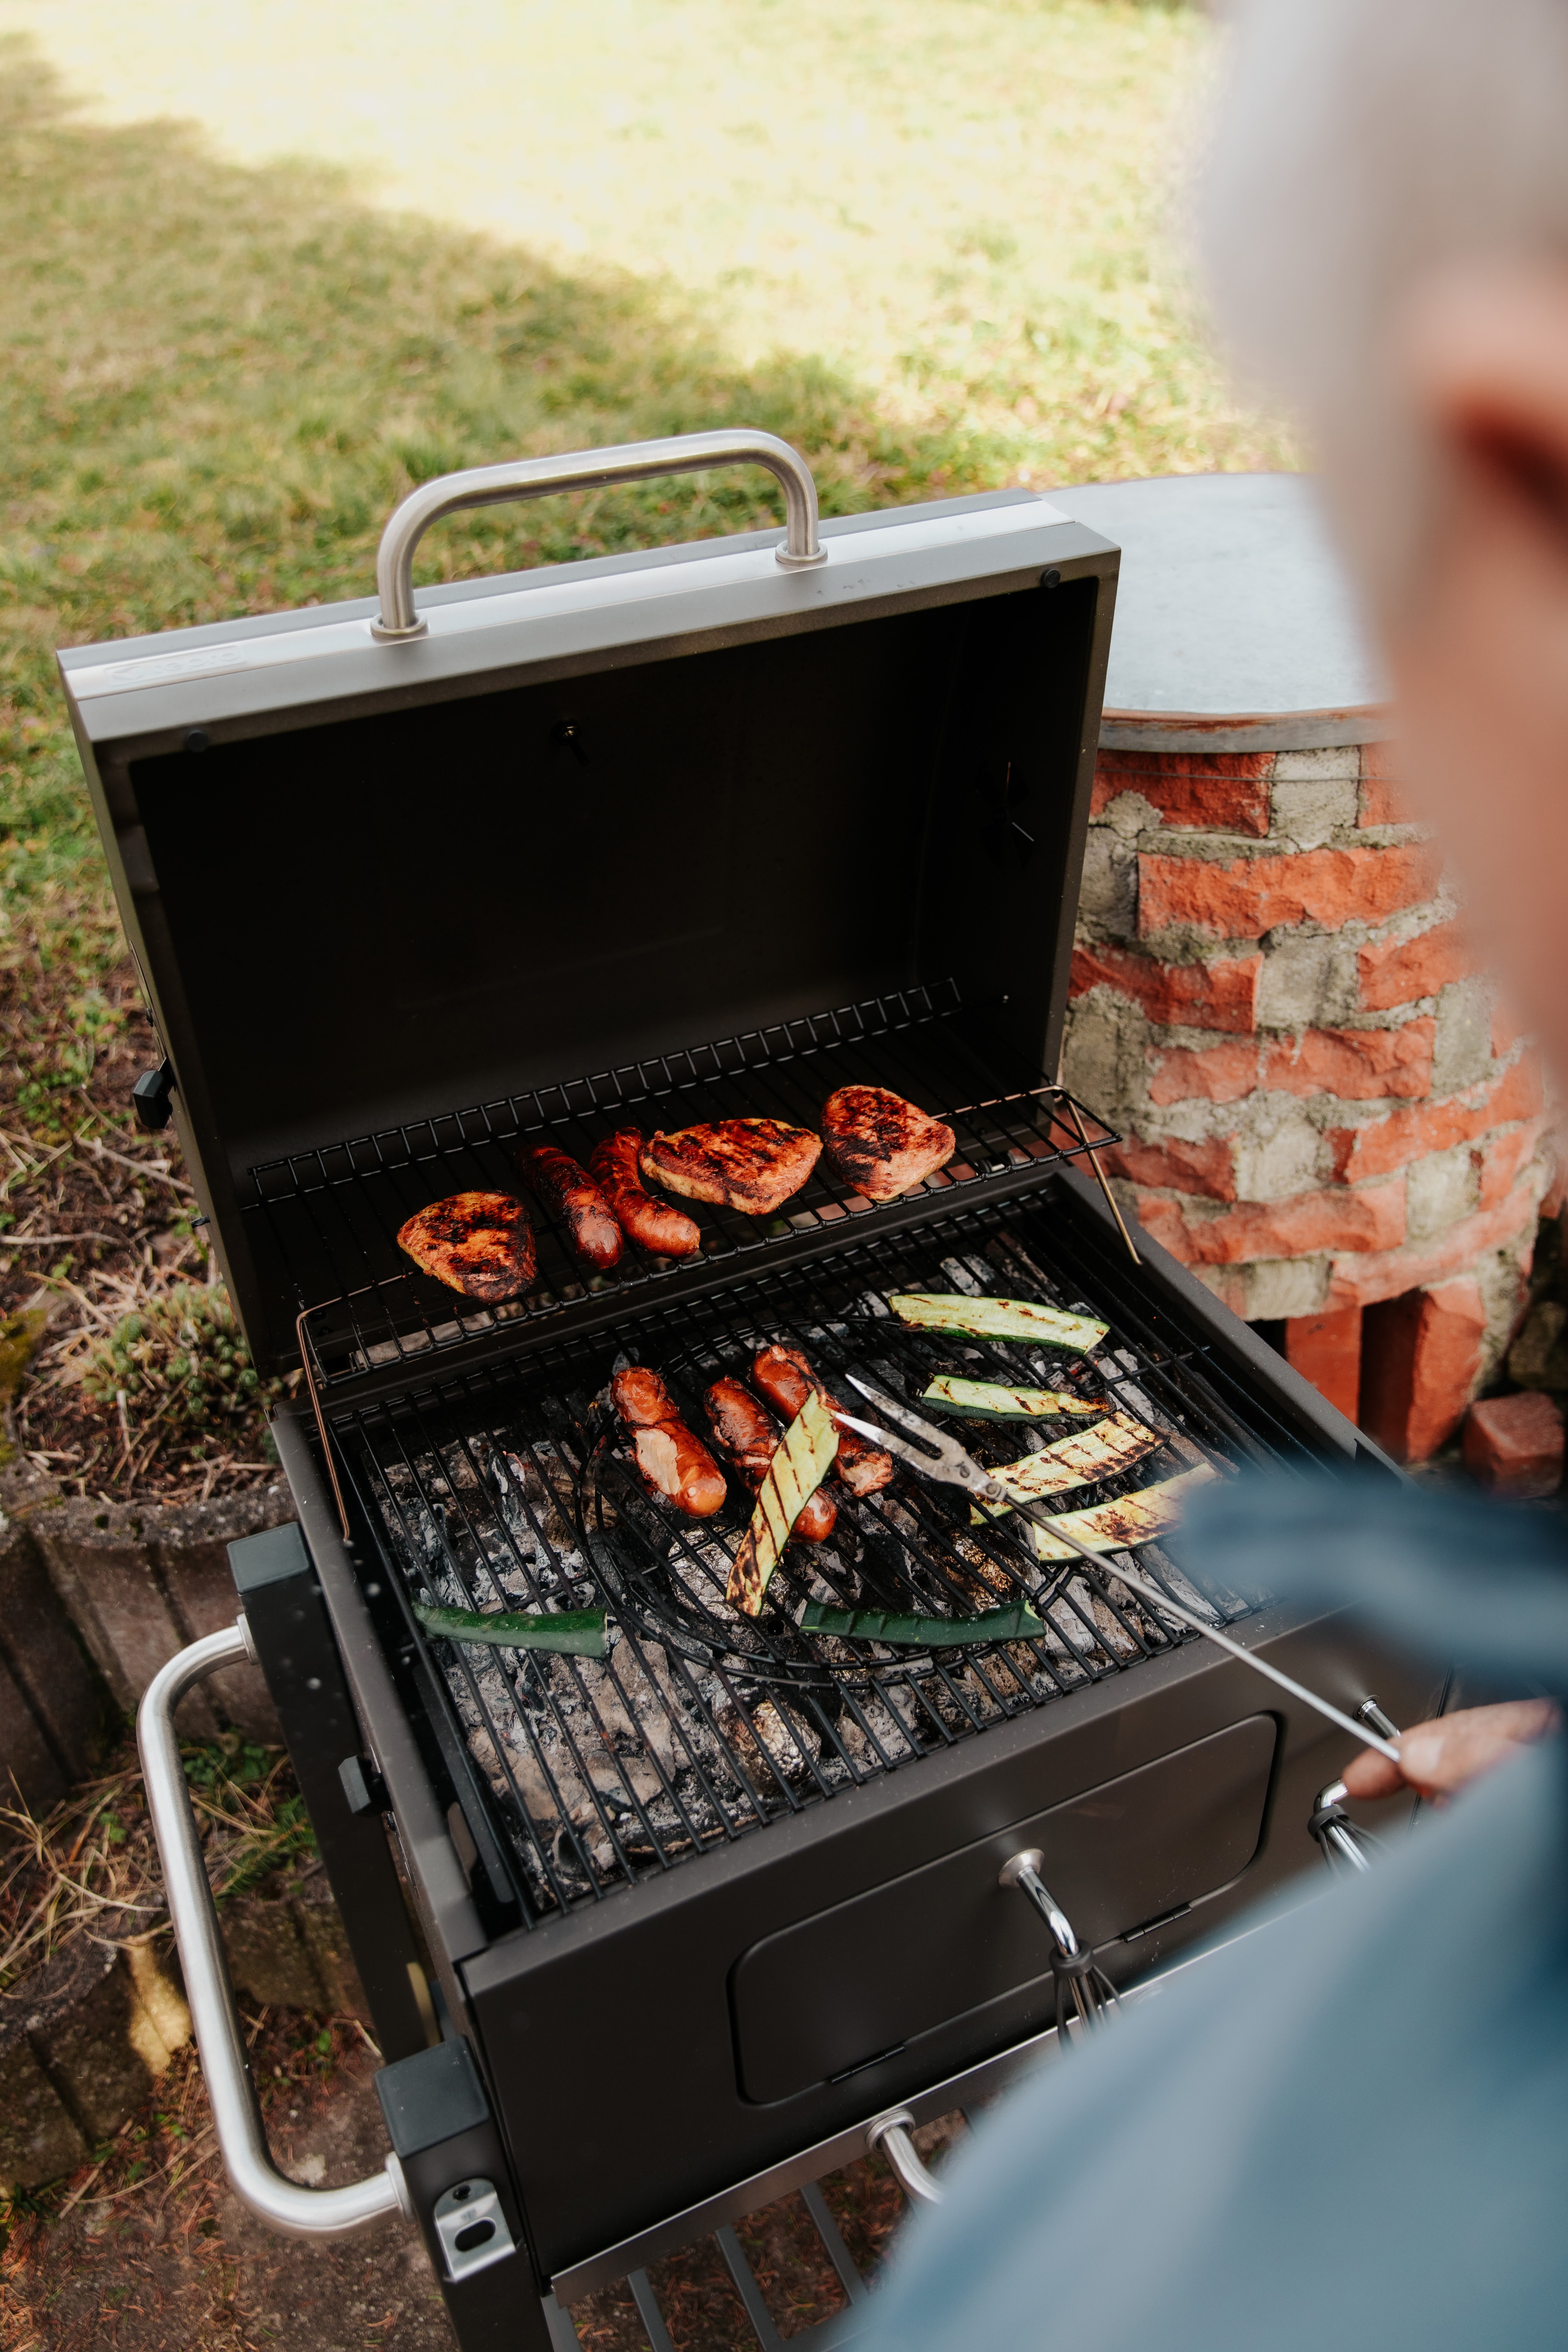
(787, 1380)
(481, 1243)
(673, 1464)
(653, 1224)
(747, 1436)
(576, 1200)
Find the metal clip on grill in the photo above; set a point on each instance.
(1345, 1845)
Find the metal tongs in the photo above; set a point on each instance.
(941, 1456)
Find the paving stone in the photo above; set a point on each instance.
(1514, 1446)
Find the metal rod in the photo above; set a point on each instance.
(282, 2204)
(1162, 1600)
(889, 2136)
(1104, 1180)
(320, 1420)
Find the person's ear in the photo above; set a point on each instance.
(1483, 359)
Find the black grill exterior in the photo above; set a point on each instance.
(721, 1896)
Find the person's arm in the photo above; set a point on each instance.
(1438, 1758)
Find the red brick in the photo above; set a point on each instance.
(1421, 1354)
(1326, 1351)
(1363, 1279)
(1206, 1073)
(1514, 1444)
(1396, 971)
(1371, 1218)
(1183, 1167)
(1357, 1065)
(1500, 1160)
(1227, 794)
(1406, 1135)
(1381, 801)
(1218, 995)
(1243, 897)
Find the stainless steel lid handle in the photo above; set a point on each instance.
(236, 2117)
(578, 469)
(890, 2134)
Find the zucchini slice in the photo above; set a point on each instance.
(998, 1318)
(580, 1630)
(989, 1401)
(1017, 1623)
(1130, 1519)
(1077, 1461)
(802, 1461)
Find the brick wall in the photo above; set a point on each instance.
(1328, 1115)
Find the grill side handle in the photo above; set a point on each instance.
(283, 2204)
(577, 469)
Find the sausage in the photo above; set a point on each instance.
(653, 1224)
(571, 1195)
(787, 1380)
(748, 1437)
(673, 1464)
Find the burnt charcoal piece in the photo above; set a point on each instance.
(481, 1243)
(882, 1144)
(754, 1164)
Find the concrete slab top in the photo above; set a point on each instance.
(1236, 626)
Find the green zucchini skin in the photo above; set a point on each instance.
(991, 1401)
(578, 1631)
(1016, 1623)
(984, 1318)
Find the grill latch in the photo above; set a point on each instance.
(1082, 1985)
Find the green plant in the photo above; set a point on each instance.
(180, 1359)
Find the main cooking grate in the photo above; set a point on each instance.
(324, 1224)
(697, 1729)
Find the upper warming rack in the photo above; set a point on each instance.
(323, 1222)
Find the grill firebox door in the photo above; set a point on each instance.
(827, 1995)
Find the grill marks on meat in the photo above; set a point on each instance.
(748, 1437)
(672, 1463)
(652, 1224)
(481, 1243)
(882, 1144)
(783, 1376)
(576, 1200)
(752, 1164)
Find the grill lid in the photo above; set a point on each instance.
(597, 814)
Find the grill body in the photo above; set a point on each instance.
(600, 849)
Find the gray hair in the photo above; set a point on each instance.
(1358, 145)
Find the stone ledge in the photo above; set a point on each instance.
(84, 2038)
(128, 1583)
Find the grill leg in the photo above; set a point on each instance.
(454, 2171)
(276, 1579)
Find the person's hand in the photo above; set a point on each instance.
(1438, 1758)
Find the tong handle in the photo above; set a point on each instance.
(579, 469)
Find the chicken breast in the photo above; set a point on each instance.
(882, 1144)
(754, 1164)
(481, 1243)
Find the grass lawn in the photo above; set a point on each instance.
(917, 237)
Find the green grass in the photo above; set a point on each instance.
(221, 376)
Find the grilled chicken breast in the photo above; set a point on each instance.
(748, 1437)
(652, 1224)
(479, 1242)
(754, 1164)
(882, 1144)
(591, 1229)
(783, 1376)
(672, 1461)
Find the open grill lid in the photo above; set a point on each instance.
(593, 817)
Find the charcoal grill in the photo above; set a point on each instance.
(705, 831)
